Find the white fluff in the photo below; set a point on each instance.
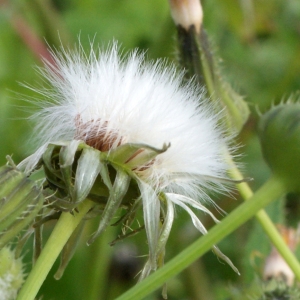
(141, 102)
(136, 102)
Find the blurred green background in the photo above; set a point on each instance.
(259, 42)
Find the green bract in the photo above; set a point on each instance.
(279, 132)
(76, 171)
(20, 201)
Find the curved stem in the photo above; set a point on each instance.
(58, 238)
(271, 190)
(267, 225)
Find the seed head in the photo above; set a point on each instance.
(147, 123)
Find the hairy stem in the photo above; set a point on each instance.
(268, 226)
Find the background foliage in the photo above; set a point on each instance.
(259, 42)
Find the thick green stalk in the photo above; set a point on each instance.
(271, 190)
(99, 257)
(58, 238)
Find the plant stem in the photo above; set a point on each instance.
(268, 226)
(271, 190)
(100, 258)
(58, 238)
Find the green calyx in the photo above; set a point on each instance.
(77, 175)
(279, 131)
(76, 171)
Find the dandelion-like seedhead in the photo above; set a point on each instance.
(139, 119)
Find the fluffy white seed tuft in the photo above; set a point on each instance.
(127, 100)
(107, 100)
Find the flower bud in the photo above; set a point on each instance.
(187, 13)
(279, 132)
(11, 274)
(20, 201)
(200, 62)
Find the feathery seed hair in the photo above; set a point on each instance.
(107, 100)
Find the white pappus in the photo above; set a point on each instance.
(108, 99)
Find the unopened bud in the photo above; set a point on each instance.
(279, 132)
(187, 13)
(20, 201)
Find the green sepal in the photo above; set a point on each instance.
(145, 156)
(116, 196)
(123, 153)
(67, 152)
(88, 168)
(105, 176)
(49, 158)
(279, 132)
(166, 227)
(66, 159)
(135, 155)
(103, 185)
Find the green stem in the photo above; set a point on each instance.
(58, 238)
(100, 258)
(268, 226)
(271, 190)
